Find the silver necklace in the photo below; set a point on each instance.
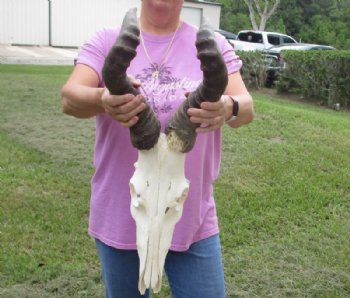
(157, 66)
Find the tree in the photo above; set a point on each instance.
(310, 21)
(262, 8)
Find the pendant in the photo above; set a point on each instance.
(155, 74)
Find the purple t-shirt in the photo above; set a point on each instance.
(114, 157)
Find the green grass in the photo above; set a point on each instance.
(283, 201)
(283, 196)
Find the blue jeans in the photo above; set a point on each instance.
(195, 273)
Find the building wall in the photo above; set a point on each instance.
(24, 22)
(71, 22)
(210, 11)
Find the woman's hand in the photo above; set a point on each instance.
(123, 108)
(211, 115)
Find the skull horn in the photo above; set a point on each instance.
(145, 133)
(180, 130)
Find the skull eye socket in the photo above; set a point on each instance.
(173, 205)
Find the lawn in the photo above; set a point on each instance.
(283, 196)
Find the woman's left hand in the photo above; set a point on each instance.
(211, 115)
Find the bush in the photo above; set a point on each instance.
(323, 75)
(254, 69)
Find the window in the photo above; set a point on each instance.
(273, 39)
(250, 37)
(287, 39)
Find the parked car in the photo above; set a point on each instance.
(275, 63)
(250, 40)
(228, 35)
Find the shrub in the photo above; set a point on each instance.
(323, 75)
(254, 69)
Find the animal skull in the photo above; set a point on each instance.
(158, 191)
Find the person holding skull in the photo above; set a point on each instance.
(164, 70)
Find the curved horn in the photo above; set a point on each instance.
(180, 130)
(145, 133)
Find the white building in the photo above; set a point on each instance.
(68, 23)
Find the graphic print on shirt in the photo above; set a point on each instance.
(163, 89)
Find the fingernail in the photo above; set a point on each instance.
(129, 97)
(140, 107)
(139, 98)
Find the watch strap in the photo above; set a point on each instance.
(235, 109)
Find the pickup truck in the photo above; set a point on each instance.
(250, 40)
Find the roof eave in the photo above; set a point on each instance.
(204, 2)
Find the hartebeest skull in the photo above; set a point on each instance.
(159, 187)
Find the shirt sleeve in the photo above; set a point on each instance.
(233, 62)
(93, 53)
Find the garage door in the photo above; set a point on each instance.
(192, 15)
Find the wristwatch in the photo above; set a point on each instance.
(235, 109)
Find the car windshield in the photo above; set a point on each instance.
(250, 37)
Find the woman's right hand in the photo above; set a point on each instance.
(123, 108)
